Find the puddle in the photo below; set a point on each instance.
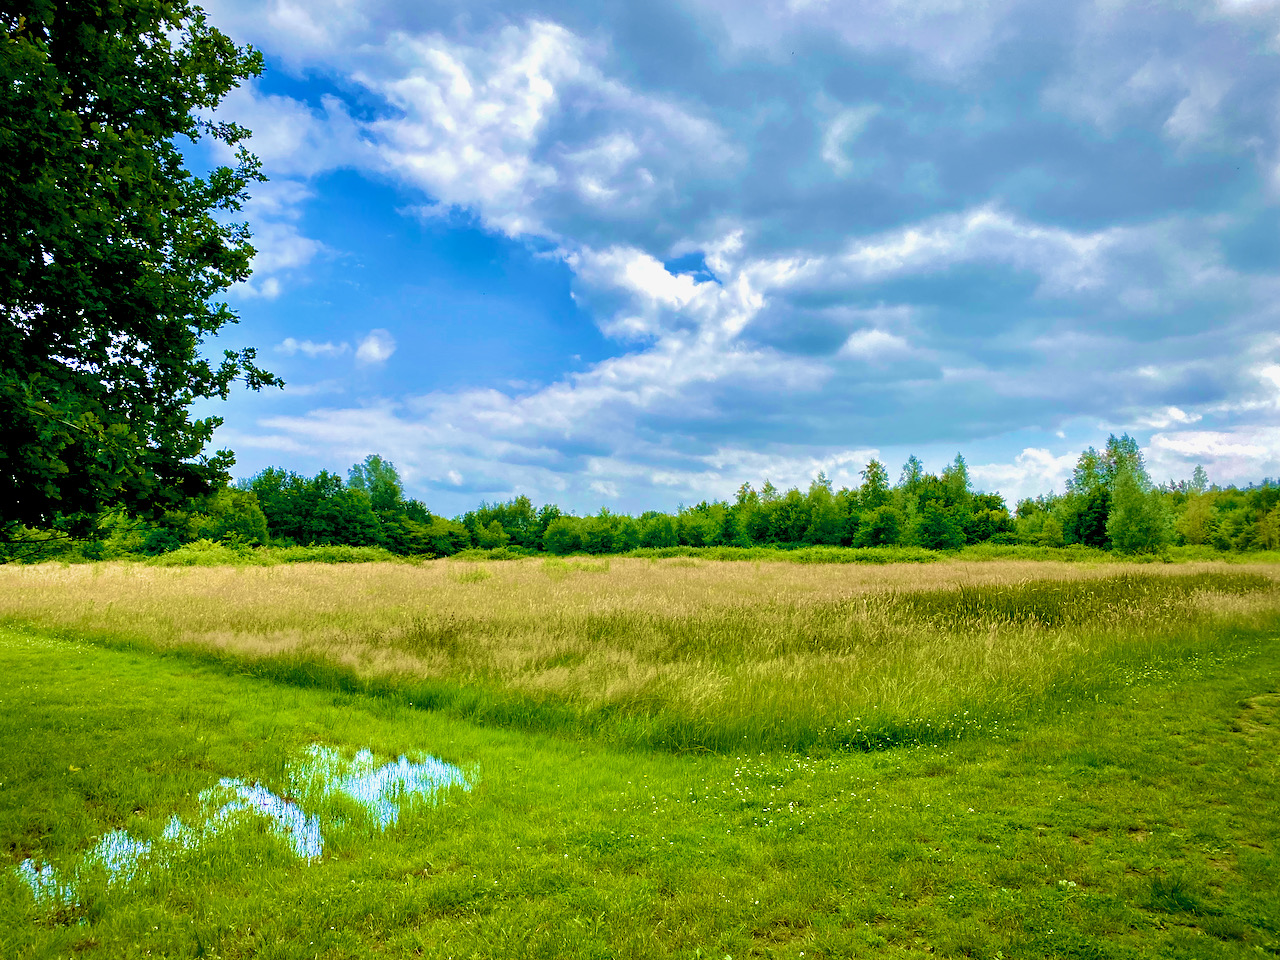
(381, 790)
(301, 832)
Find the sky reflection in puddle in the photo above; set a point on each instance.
(380, 789)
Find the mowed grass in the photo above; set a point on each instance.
(1137, 821)
(679, 654)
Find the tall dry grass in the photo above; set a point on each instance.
(680, 651)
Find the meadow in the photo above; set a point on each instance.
(672, 756)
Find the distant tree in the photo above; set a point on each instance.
(849, 508)
(1122, 452)
(1139, 521)
(289, 501)
(699, 526)
(378, 478)
(1199, 480)
(880, 527)
(491, 536)
(517, 517)
(626, 535)
(1084, 517)
(1051, 533)
(939, 528)
(346, 517)
(912, 474)
(874, 491)
(596, 533)
(790, 518)
(446, 537)
(1088, 474)
(546, 515)
(826, 520)
(229, 514)
(1198, 521)
(408, 535)
(562, 536)
(1084, 510)
(658, 530)
(989, 518)
(959, 487)
(1267, 530)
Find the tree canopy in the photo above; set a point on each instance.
(111, 252)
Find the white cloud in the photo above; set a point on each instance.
(268, 288)
(874, 344)
(606, 488)
(1166, 417)
(1195, 117)
(469, 118)
(1064, 259)
(469, 125)
(319, 388)
(291, 138)
(376, 347)
(1034, 471)
(281, 248)
(841, 132)
(289, 346)
(295, 31)
(1237, 455)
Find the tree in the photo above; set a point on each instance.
(875, 485)
(491, 536)
(959, 486)
(562, 536)
(1198, 522)
(826, 520)
(1267, 533)
(1139, 521)
(912, 474)
(658, 530)
(1084, 510)
(379, 479)
(230, 514)
(939, 528)
(1199, 479)
(882, 527)
(110, 254)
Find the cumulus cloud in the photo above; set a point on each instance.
(873, 344)
(1032, 472)
(470, 124)
(289, 346)
(281, 248)
(1237, 455)
(375, 347)
(1169, 415)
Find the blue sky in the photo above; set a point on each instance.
(633, 255)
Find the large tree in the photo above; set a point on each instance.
(112, 253)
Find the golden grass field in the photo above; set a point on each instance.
(705, 641)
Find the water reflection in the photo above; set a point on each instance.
(379, 789)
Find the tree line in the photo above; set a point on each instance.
(1110, 502)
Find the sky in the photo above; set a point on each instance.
(634, 255)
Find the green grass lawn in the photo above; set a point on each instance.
(1143, 820)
